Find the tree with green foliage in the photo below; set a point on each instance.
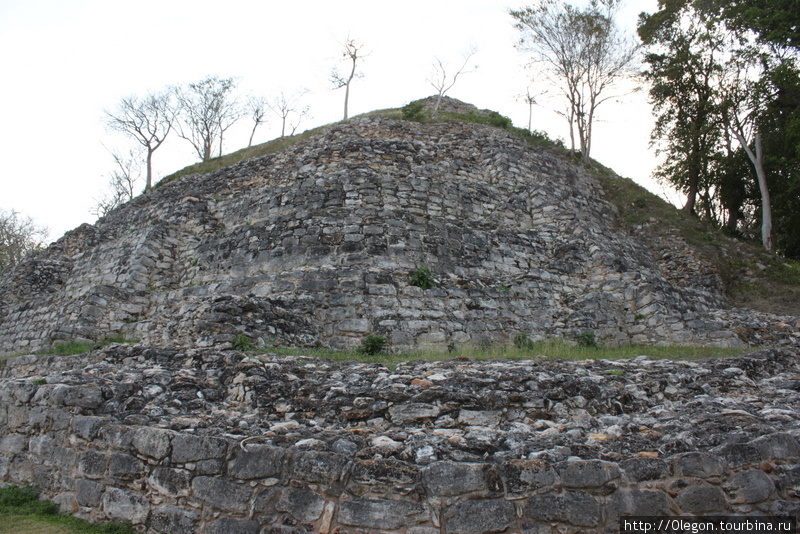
(684, 70)
(716, 84)
(584, 52)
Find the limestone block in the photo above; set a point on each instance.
(751, 486)
(174, 520)
(123, 505)
(152, 442)
(701, 499)
(301, 504)
(222, 494)
(479, 516)
(380, 513)
(572, 507)
(587, 473)
(448, 478)
(188, 448)
(257, 461)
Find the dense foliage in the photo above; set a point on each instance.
(725, 87)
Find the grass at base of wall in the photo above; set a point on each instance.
(551, 350)
(22, 512)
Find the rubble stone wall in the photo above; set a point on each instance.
(318, 243)
(202, 441)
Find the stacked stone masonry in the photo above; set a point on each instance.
(189, 441)
(317, 244)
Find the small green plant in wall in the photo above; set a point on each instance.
(587, 340)
(423, 278)
(242, 343)
(372, 345)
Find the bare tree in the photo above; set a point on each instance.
(443, 81)
(19, 236)
(284, 107)
(207, 109)
(122, 183)
(351, 51)
(148, 120)
(584, 52)
(257, 108)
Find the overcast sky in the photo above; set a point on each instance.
(66, 61)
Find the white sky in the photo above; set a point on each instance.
(64, 62)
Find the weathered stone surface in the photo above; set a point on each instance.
(586, 473)
(194, 448)
(258, 249)
(451, 478)
(572, 507)
(380, 513)
(258, 461)
(227, 525)
(703, 499)
(174, 520)
(301, 504)
(152, 442)
(123, 505)
(222, 494)
(479, 516)
(638, 502)
(750, 486)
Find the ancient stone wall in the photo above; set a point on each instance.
(203, 441)
(318, 243)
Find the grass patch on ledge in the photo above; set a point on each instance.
(551, 350)
(22, 512)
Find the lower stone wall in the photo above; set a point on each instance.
(211, 442)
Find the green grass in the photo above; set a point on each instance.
(22, 512)
(551, 350)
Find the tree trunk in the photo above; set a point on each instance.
(757, 159)
(149, 182)
(691, 196)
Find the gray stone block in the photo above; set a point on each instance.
(188, 448)
(125, 467)
(152, 442)
(123, 505)
(587, 473)
(301, 504)
(257, 461)
(228, 525)
(573, 507)
(169, 481)
(88, 492)
(173, 520)
(92, 464)
(702, 499)
(453, 478)
(747, 487)
(635, 501)
(380, 513)
(479, 516)
(524, 476)
(319, 467)
(698, 464)
(222, 494)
